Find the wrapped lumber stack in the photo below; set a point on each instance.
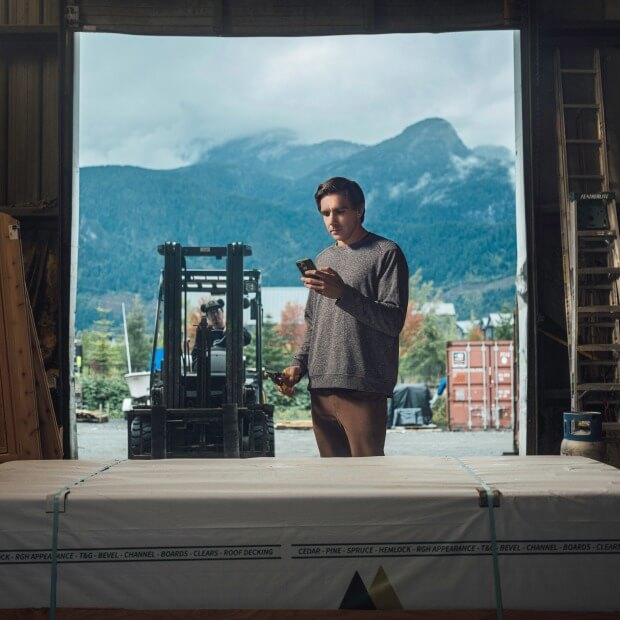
(28, 426)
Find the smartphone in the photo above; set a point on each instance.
(304, 264)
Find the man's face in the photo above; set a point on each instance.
(341, 219)
(215, 318)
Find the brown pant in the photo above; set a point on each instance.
(349, 423)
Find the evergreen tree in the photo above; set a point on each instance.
(504, 329)
(421, 292)
(424, 336)
(102, 355)
(140, 344)
(276, 347)
(426, 359)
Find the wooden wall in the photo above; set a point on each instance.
(30, 155)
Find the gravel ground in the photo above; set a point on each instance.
(109, 441)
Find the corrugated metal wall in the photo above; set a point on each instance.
(28, 101)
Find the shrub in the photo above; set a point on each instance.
(440, 412)
(105, 392)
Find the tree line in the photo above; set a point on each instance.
(422, 351)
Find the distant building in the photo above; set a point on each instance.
(464, 328)
(486, 324)
(440, 308)
(445, 313)
(494, 319)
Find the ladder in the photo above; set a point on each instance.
(590, 234)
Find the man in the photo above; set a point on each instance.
(354, 314)
(215, 317)
(216, 325)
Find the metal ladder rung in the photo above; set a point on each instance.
(598, 387)
(597, 287)
(576, 70)
(581, 106)
(599, 271)
(584, 348)
(592, 310)
(597, 234)
(597, 325)
(599, 362)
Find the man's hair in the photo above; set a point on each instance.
(345, 187)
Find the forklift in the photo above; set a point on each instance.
(204, 404)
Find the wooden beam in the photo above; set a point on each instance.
(38, 29)
(51, 442)
(39, 208)
(261, 18)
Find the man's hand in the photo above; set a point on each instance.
(290, 377)
(325, 282)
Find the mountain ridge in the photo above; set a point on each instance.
(450, 208)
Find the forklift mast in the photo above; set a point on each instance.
(177, 281)
(185, 416)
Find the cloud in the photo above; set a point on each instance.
(159, 101)
(463, 166)
(423, 182)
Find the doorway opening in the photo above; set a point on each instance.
(209, 141)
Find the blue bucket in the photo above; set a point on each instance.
(585, 426)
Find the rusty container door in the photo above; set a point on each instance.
(480, 385)
(467, 389)
(501, 384)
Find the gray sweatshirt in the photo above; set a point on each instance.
(352, 342)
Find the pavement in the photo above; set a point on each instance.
(108, 440)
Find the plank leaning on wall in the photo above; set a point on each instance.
(19, 434)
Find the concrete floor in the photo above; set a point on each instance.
(109, 441)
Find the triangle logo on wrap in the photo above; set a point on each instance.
(380, 595)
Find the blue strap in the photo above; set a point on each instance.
(499, 606)
(55, 523)
(53, 572)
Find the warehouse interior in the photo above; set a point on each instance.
(39, 180)
(405, 537)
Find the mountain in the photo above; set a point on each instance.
(450, 208)
(279, 150)
(492, 151)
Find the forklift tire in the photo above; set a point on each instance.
(140, 436)
(259, 439)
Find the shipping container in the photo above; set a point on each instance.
(480, 384)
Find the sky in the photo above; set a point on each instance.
(161, 102)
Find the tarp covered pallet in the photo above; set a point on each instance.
(409, 537)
